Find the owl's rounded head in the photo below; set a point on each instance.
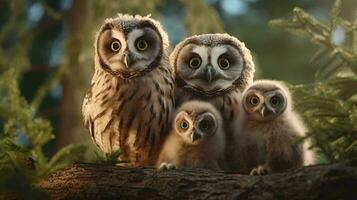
(127, 45)
(266, 99)
(212, 62)
(196, 122)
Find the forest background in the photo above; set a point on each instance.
(46, 62)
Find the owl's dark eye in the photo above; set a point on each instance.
(115, 46)
(195, 62)
(184, 125)
(203, 125)
(275, 101)
(254, 100)
(142, 45)
(223, 63)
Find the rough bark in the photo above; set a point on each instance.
(89, 181)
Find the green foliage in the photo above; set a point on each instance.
(24, 159)
(329, 106)
(108, 158)
(18, 159)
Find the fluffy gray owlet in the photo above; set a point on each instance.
(196, 138)
(270, 129)
(215, 68)
(130, 100)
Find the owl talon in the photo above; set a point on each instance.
(253, 172)
(260, 171)
(166, 166)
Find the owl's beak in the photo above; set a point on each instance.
(127, 59)
(264, 111)
(209, 73)
(195, 136)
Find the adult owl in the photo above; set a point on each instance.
(129, 103)
(215, 68)
(270, 131)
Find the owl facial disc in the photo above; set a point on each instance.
(128, 48)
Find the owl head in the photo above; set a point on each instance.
(127, 45)
(212, 62)
(196, 122)
(266, 99)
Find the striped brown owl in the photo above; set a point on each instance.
(129, 103)
(214, 68)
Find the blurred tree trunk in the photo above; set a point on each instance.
(76, 77)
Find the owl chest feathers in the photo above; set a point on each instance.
(205, 155)
(274, 139)
(131, 114)
(277, 130)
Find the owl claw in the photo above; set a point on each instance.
(260, 171)
(166, 166)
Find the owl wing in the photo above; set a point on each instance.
(87, 118)
(85, 107)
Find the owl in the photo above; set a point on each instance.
(196, 138)
(130, 100)
(215, 68)
(270, 131)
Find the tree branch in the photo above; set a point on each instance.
(83, 181)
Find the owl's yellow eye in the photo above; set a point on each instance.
(254, 100)
(184, 125)
(195, 62)
(223, 63)
(142, 45)
(115, 46)
(275, 101)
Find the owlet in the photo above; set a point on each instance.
(196, 138)
(270, 130)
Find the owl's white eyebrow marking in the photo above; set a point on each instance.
(132, 37)
(216, 52)
(200, 50)
(136, 33)
(117, 35)
(203, 52)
